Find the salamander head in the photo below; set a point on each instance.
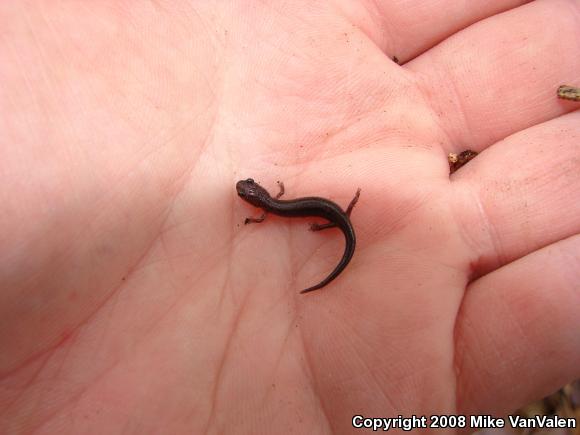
(252, 192)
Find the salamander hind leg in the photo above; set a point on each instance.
(353, 202)
(319, 227)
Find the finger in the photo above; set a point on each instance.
(516, 335)
(524, 193)
(407, 29)
(501, 75)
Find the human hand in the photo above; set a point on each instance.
(133, 299)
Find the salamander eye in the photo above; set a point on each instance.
(250, 180)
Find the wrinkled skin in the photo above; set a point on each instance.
(134, 300)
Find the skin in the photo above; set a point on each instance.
(130, 301)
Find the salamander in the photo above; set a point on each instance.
(253, 193)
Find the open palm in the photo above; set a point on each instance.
(133, 299)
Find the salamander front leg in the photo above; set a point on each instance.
(281, 189)
(251, 220)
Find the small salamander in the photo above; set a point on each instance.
(252, 192)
